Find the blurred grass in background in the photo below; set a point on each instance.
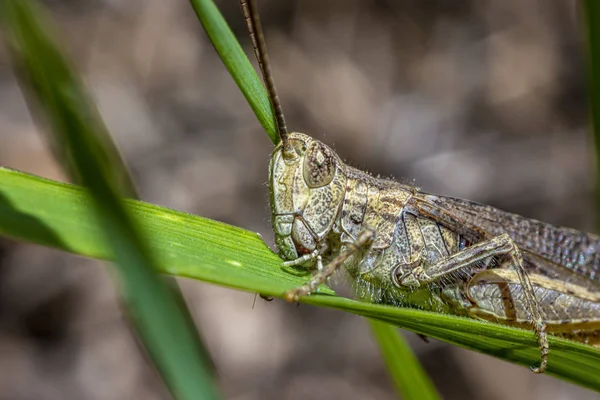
(156, 309)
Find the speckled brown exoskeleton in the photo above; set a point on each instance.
(396, 241)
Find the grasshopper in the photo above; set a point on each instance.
(395, 240)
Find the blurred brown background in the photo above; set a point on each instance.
(477, 99)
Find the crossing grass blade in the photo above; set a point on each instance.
(81, 141)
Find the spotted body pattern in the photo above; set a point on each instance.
(320, 206)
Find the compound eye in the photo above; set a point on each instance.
(319, 165)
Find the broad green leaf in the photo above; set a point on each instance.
(409, 377)
(160, 317)
(60, 215)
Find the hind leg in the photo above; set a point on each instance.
(501, 245)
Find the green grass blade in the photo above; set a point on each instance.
(237, 63)
(50, 79)
(158, 314)
(59, 215)
(410, 379)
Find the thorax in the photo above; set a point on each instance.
(403, 238)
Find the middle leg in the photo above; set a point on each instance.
(364, 239)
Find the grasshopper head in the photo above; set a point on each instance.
(307, 181)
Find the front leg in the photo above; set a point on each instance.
(364, 239)
(303, 260)
(501, 245)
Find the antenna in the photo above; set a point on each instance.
(250, 11)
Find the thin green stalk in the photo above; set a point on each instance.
(237, 63)
(409, 377)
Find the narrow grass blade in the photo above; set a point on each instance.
(237, 63)
(410, 379)
(51, 80)
(60, 215)
(160, 317)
